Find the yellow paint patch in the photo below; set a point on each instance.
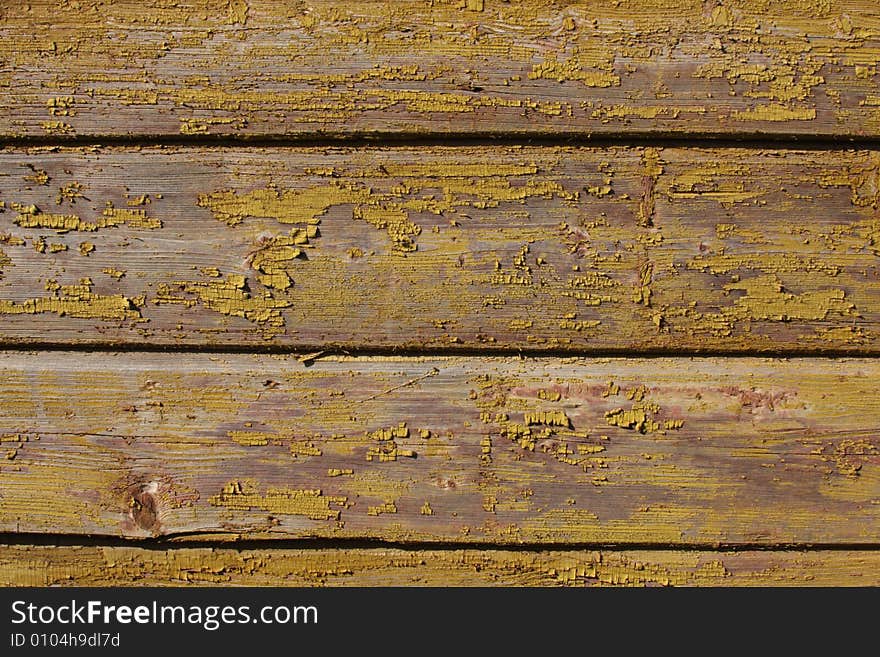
(77, 301)
(313, 504)
(228, 297)
(775, 112)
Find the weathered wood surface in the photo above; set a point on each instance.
(564, 248)
(255, 67)
(34, 565)
(615, 451)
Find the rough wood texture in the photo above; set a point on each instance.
(623, 451)
(561, 248)
(250, 67)
(30, 565)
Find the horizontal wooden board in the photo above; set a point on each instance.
(617, 451)
(257, 67)
(39, 565)
(574, 249)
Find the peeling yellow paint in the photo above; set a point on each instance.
(229, 296)
(775, 112)
(77, 301)
(243, 496)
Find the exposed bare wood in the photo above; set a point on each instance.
(31, 565)
(621, 451)
(561, 248)
(479, 66)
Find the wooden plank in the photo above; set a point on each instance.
(454, 248)
(613, 451)
(257, 67)
(39, 565)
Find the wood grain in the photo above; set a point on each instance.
(662, 451)
(577, 249)
(33, 565)
(255, 67)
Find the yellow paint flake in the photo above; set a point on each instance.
(339, 472)
(313, 504)
(39, 177)
(426, 510)
(394, 220)
(611, 389)
(115, 273)
(457, 170)
(132, 218)
(237, 12)
(274, 254)
(69, 192)
(387, 210)
(765, 298)
(775, 112)
(556, 418)
(60, 222)
(63, 223)
(641, 418)
(85, 248)
(286, 207)
(726, 231)
(61, 106)
(57, 128)
(201, 126)
(228, 297)
(716, 181)
(77, 301)
(304, 448)
(251, 438)
(643, 112)
(574, 69)
(386, 448)
(485, 451)
(579, 325)
(386, 507)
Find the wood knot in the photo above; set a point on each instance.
(143, 508)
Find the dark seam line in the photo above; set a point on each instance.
(309, 353)
(749, 140)
(179, 541)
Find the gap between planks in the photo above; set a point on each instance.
(308, 355)
(204, 540)
(659, 139)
